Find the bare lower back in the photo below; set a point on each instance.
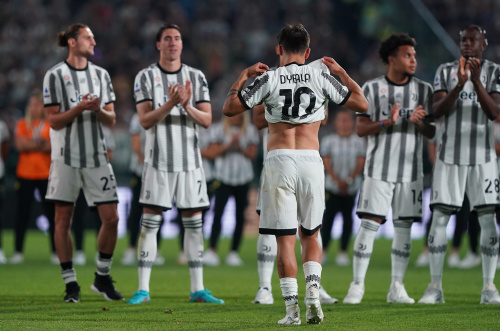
(293, 136)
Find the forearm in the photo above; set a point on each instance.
(107, 115)
(232, 105)
(366, 127)
(150, 117)
(250, 152)
(199, 117)
(488, 103)
(59, 120)
(425, 128)
(443, 105)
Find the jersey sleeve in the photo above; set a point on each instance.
(440, 80)
(334, 90)
(108, 93)
(255, 93)
(201, 92)
(142, 87)
(368, 95)
(495, 86)
(52, 92)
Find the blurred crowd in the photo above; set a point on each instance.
(220, 37)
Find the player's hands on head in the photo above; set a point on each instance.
(463, 72)
(332, 65)
(418, 114)
(256, 70)
(394, 114)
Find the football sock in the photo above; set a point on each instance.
(400, 252)
(267, 249)
(193, 247)
(147, 248)
(289, 289)
(312, 272)
(68, 273)
(104, 263)
(437, 244)
(489, 245)
(363, 248)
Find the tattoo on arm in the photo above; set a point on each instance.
(231, 93)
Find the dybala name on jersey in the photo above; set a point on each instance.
(295, 78)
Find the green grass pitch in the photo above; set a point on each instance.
(31, 295)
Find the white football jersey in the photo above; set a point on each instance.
(172, 145)
(294, 93)
(467, 137)
(81, 143)
(395, 154)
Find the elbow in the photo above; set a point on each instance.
(360, 132)
(363, 106)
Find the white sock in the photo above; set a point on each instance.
(193, 247)
(267, 249)
(363, 248)
(290, 290)
(400, 252)
(312, 272)
(489, 246)
(146, 248)
(438, 244)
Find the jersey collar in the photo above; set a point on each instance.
(392, 83)
(293, 63)
(169, 72)
(73, 68)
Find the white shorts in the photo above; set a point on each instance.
(65, 182)
(377, 196)
(293, 189)
(450, 183)
(159, 188)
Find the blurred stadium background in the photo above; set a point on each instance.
(220, 37)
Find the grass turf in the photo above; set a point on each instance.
(31, 295)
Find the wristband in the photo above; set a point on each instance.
(382, 124)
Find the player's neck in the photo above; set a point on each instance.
(77, 62)
(170, 65)
(399, 78)
(290, 58)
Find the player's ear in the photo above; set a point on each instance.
(307, 53)
(280, 50)
(158, 45)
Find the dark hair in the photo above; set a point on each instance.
(165, 27)
(390, 46)
(294, 38)
(474, 27)
(73, 31)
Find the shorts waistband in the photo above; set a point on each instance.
(306, 152)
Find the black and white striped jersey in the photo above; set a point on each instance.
(395, 154)
(467, 137)
(81, 143)
(171, 145)
(294, 93)
(343, 153)
(234, 168)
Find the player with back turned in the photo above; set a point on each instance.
(294, 96)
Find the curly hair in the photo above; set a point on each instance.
(73, 31)
(294, 38)
(390, 46)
